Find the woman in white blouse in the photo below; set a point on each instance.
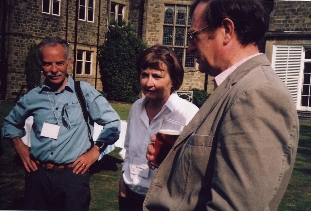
(160, 76)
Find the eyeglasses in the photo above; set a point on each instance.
(191, 35)
(65, 116)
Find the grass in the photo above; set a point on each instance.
(104, 184)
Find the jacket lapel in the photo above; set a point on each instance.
(220, 94)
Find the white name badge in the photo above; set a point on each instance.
(140, 167)
(50, 130)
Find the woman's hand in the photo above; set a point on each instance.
(150, 153)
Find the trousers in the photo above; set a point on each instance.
(57, 189)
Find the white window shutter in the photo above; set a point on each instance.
(286, 62)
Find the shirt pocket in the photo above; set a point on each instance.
(72, 115)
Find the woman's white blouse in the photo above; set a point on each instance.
(139, 131)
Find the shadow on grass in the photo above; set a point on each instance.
(107, 163)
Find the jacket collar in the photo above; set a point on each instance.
(220, 93)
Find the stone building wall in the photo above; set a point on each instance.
(27, 24)
(290, 24)
(153, 33)
(290, 16)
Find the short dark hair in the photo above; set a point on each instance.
(248, 16)
(51, 41)
(153, 57)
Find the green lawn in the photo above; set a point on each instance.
(104, 184)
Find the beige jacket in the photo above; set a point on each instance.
(238, 152)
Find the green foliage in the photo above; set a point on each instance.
(199, 97)
(32, 71)
(117, 62)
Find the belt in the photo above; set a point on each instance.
(52, 166)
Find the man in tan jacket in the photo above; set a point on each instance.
(238, 151)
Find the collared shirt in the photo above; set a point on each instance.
(61, 108)
(223, 75)
(139, 131)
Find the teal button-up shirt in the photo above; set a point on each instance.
(62, 108)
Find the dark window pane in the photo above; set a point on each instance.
(91, 4)
(87, 68)
(307, 68)
(82, 13)
(88, 56)
(304, 101)
(90, 15)
(306, 78)
(189, 59)
(82, 10)
(79, 67)
(179, 53)
(308, 53)
(169, 15)
(80, 55)
(167, 35)
(56, 6)
(305, 89)
(46, 6)
(189, 19)
(113, 12)
(180, 36)
(188, 39)
(120, 14)
(120, 10)
(181, 15)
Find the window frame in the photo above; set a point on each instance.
(51, 7)
(86, 10)
(84, 62)
(183, 48)
(116, 13)
(288, 61)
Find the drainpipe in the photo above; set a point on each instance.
(3, 59)
(205, 82)
(97, 43)
(67, 17)
(76, 40)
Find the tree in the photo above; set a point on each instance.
(117, 62)
(32, 71)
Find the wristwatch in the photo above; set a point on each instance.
(102, 146)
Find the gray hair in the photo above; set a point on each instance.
(51, 41)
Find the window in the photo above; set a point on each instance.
(293, 65)
(86, 10)
(177, 21)
(84, 62)
(51, 7)
(306, 78)
(117, 12)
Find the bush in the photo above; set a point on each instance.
(117, 62)
(32, 71)
(199, 97)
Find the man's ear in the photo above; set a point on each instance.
(229, 29)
